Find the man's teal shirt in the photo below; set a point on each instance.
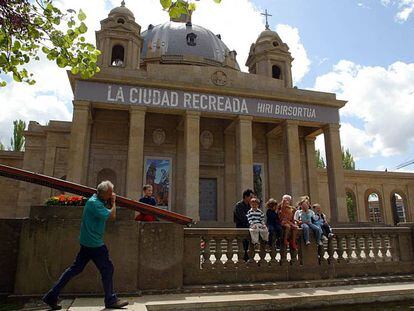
(95, 215)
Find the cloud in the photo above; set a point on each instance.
(301, 65)
(405, 8)
(381, 98)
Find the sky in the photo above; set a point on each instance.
(362, 50)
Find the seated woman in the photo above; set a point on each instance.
(273, 223)
(321, 221)
(286, 213)
(307, 222)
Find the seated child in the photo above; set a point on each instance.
(257, 223)
(307, 222)
(286, 213)
(321, 221)
(273, 223)
(147, 198)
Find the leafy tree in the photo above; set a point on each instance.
(31, 27)
(1, 146)
(320, 163)
(348, 162)
(351, 208)
(177, 7)
(17, 142)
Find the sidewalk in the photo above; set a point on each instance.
(285, 299)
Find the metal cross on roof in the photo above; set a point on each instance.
(267, 15)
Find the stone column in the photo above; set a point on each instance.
(293, 163)
(244, 152)
(135, 163)
(311, 169)
(335, 171)
(360, 202)
(275, 163)
(79, 142)
(230, 173)
(192, 164)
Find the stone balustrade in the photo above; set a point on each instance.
(219, 256)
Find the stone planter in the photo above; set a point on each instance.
(71, 212)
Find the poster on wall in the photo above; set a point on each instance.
(157, 172)
(258, 181)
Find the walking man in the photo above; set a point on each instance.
(98, 209)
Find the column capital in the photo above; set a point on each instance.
(245, 118)
(310, 138)
(137, 109)
(81, 104)
(290, 123)
(331, 126)
(192, 114)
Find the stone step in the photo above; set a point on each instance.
(276, 299)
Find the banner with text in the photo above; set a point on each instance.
(174, 99)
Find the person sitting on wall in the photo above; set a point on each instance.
(240, 216)
(257, 224)
(321, 221)
(147, 198)
(290, 229)
(307, 222)
(98, 209)
(273, 222)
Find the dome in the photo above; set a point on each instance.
(175, 40)
(268, 35)
(122, 10)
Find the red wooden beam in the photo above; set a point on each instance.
(67, 186)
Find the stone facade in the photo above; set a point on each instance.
(187, 110)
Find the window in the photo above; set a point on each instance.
(120, 21)
(276, 72)
(275, 44)
(191, 39)
(117, 56)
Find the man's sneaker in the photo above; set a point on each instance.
(118, 304)
(324, 238)
(307, 243)
(51, 303)
(330, 235)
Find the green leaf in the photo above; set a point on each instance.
(45, 50)
(17, 77)
(217, 1)
(82, 28)
(61, 62)
(192, 7)
(74, 70)
(165, 4)
(81, 15)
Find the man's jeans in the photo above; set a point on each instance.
(317, 230)
(100, 257)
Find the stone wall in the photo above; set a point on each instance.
(9, 251)
(163, 256)
(9, 189)
(363, 183)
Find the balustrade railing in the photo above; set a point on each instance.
(228, 252)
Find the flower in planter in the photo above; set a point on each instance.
(66, 200)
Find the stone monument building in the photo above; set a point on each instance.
(171, 107)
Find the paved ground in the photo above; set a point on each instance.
(286, 299)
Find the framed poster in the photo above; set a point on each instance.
(259, 181)
(158, 172)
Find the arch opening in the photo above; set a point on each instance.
(398, 205)
(276, 72)
(351, 205)
(118, 54)
(374, 207)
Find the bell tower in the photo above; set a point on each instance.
(270, 57)
(119, 40)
